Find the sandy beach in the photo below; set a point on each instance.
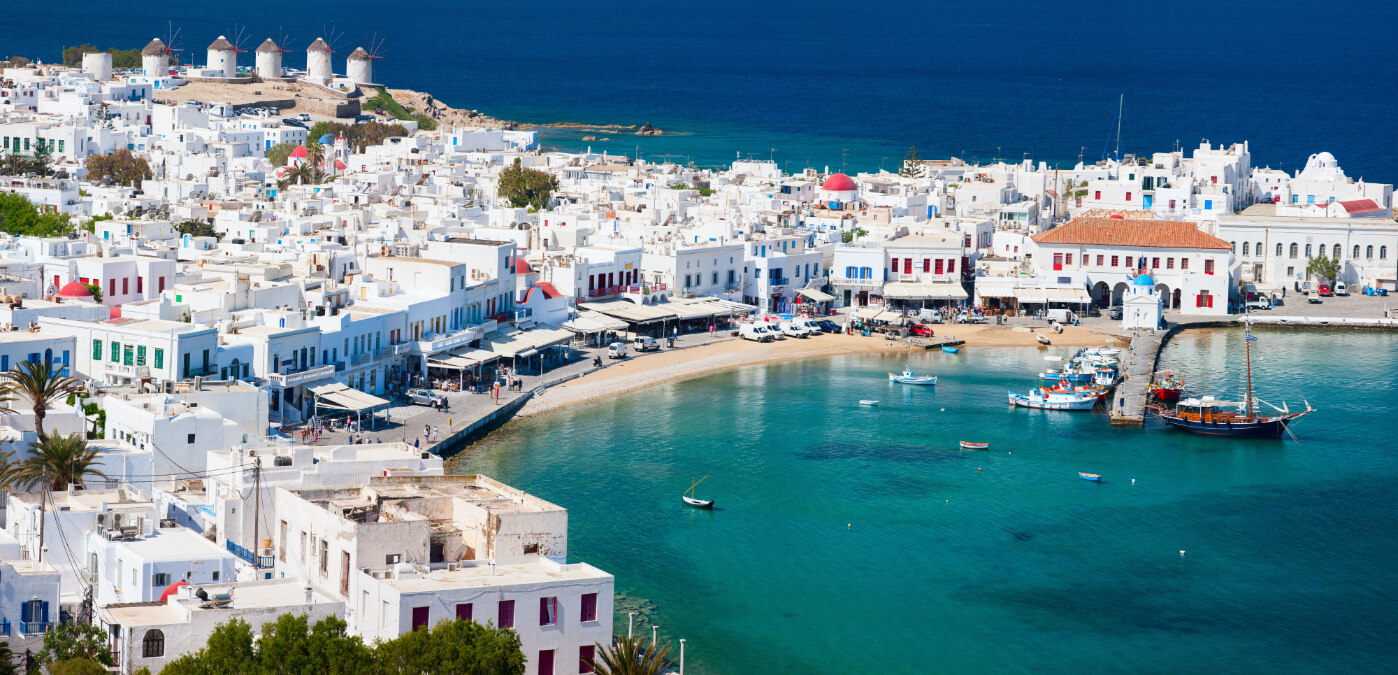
(639, 372)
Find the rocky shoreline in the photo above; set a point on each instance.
(424, 103)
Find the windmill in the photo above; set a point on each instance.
(174, 41)
(359, 67)
(269, 56)
(318, 68)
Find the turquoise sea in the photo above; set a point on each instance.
(863, 540)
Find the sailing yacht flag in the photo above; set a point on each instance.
(1250, 337)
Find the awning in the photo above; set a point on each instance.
(816, 295)
(344, 398)
(902, 290)
(463, 360)
(1067, 294)
(698, 309)
(1031, 295)
(631, 312)
(526, 343)
(593, 322)
(995, 291)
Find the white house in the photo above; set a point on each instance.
(137, 566)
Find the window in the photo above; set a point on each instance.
(1128, 261)
(1368, 252)
(908, 266)
(97, 344)
(548, 611)
(1169, 263)
(1116, 261)
(141, 355)
(116, 352)
(927, 265)
(1067, 258)
(1058, 261)
(1208, 266)
(1356, 251)
(586, 654)
(160, 580)
(506, 614)
(420, 617)
(1128, 196)
(939, 266)
(951, 266)
(1383, 253)
(1296, 251)
(1336, 249)
(1279, 250)
(111, 286)
(153, 644)
(140, 284)
(1204, 299)
(1208, 204)
(1097, 194)
(128, 355)
(895, 265)
(1100, 259)
(1233, 247)
(463, 611)
(1308, 251)
(545, 662)
(1245, 248)
(324, 558)
(125, 286)
(589, 607)
(159, 357)
(1184, 263)
(1155, 263)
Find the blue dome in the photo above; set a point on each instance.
(1143, 280)
(327, 139)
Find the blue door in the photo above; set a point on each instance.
(1148, 200)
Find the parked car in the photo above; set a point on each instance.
(829, 326)
(775, 330)
(1341, 289)
(1323, 289)
(920, 330)
(616, 350)
(790, 329)
(1114, 312)
(1313, 297)
(645, 343)
(425, 397)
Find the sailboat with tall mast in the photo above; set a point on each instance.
(1212, 417)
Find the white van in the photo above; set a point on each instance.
(1340, 288)
(790, 328)
(755, 331)
(1063, 316)
(645, 343)
(616, 350)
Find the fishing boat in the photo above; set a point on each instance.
(694, 501)
(1106, 376)
(1090, 476)
(967, 445)
(1065, 387)
(909, 378)
(1167, 388)
(949, 349)
(1211, 417)
(1051, 400)
(1070, 374)
(868, 402)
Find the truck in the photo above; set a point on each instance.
(755, 332)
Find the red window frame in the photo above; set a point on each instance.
(939, 266)
(908, 266)
(586, 653)
(420, 617)
(505, 614)
(927, 265)
(463, 611)
(1184, 263)
(1100, 258)
(1068, 259)
(1169, 263)
(951, 266)
(1116, 261)
(1128, 196)
(1058, 261)
(1209, 266)
(1155, 263)
(1097, 195)
(894, 266)
(589, 607)
(548, 611)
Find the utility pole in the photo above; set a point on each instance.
(256, 508)
(43, 497)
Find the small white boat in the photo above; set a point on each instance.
(1052, 400)
(909, 378)
(968, 445)
(868, 402)
(695, 501)
(1042, 340)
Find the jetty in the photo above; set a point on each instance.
(1132, 394)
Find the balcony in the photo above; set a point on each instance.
(778, 281)
(34, 627)
(360, 358)
(129, 371)
(201, 371)
(265, 562)
(284, 380)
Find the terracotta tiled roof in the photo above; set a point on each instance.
(1140, 233)
(1361, 206)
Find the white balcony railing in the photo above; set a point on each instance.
(308, 375)
(851, 281)
(130, 371)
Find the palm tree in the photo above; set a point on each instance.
(302, 174)
(60, 461)
(7, 660)
(630, 656)
(9, 471)
(41, 385)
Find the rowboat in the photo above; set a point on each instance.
(695, 501)
(909, 378)
(1042, 340)
(949, 349)
(1051, 400)
(868, 402)
(1090, 476)
(1166, 389)
(967, 445)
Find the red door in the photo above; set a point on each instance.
(420, 618)
(545, 662)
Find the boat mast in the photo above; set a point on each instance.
(1247, 346)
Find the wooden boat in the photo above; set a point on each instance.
(949, 349)
(1090, 476)
(1042, 339)
(1051, 400)
(1209, 417)
(909, 378)
(868, 402)
(967, 445)
(695, 501)
(1166, 389)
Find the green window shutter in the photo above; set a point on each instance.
(116, 352)
(141, 355)
(129, 353)
(97, 350)
(159, 357)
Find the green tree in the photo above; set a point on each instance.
(278, 154)
(7, 660)
(73, 56)
(1323, 267)
(527, 187)
(74, 640)
(453, 647)
(912, 164)
(18, 62)
(288, 646)
(95, 289)
(10, 472)
(60, 461)
(848, 236)
(77, 667)
(40, 383)
(19, 216)
(631, 656)
(197, 228)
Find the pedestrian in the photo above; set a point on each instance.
(426, 430)
(417, 443)
(436, 434)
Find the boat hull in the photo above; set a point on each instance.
(923, 381)
(1163, 394)
(974, 446)
(706, 504)
(1263, 428)
(1049, 404)
(1090, 476)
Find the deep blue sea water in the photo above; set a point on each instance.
(842, 84)
(850, 539)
